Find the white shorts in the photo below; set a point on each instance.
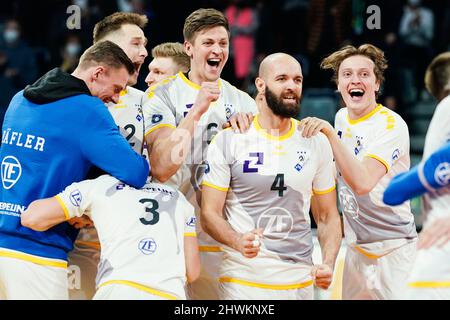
(83, 265)
(25, 280)
(206, 287)
(119, 291)
(235, 291)
(377, 278)
(430, 275)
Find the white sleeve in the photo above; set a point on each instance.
(324, 179)
(217, 172)
(391, 143)
(156, 110)
(190, 219)
(77, 198)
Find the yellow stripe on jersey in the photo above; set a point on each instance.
(209, 249)
(367, 254)
(367, 116)
(159, 126)
(190, 234)
(63, 206)
(140, 287)
(268, 286)
(34, 259)
(123, 92)
(92, 244)
(324, 191)
(192, 84)
(271, 137)
(429, 284)
(208, 184)
(379, 159)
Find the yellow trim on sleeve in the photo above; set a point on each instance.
(367, 254)
(324, 191)
(140, 287)
(190, 234)
(159, 126)
(92, 244)
(367, 116)
(209, 249)
(271, 137)
(34, 259)
(204, 183)
(267, 286)
(379, 159)
(63, 206)
(429, 284)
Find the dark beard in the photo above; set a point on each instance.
(279, 108)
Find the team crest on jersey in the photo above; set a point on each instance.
(11, 171)
(147, 246)
(303, 158)
(156, 118)
(75, 198)
(359, 145)
(442, 174)
(395, 155)
(138, 117)
(192, 222)
(229, 110)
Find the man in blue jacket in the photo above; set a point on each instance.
(54, 131)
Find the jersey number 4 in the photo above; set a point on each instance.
(152, 210)
(278, 184)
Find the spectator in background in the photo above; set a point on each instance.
(18, 64)
(71, 53)
(416, 34)
(243, 20)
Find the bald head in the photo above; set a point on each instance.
(273, 62)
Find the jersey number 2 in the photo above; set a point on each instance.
(152, 210)
(278, 184)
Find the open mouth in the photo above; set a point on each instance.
(213, 62)
(290, 98)
(356, 94)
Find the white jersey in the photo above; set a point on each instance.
(383, 135)
(127, 114)
(168, 102)
(269, 182)
(141, 231)
(436, 203)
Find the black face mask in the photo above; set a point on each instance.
(279, 108)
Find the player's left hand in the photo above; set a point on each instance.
(322, 276)
(311, 126)
(81, 222)
(240, 122)
(436, 234)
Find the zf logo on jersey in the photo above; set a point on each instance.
(157, 118)
(188, 106)
(348, 202)
(442, 174)
(276, 222)
(302, 160)
(75, 198)
(258, 160)
(11, 171)
(147, 246)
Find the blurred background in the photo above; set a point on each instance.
(34, 38)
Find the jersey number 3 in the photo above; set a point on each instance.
(152, 210)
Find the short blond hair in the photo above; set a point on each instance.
(175, 51)
(115, 21)
(334, 60)
(437, 76)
